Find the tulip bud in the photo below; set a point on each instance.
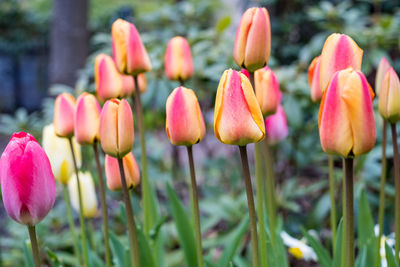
(267, 90)
(60, 155)
(128, 84)
(383, 67)
(87, 119)
(339, 52)
(88, 193)
(276, 126)
(245, 72)
(237, 116)
(253, 39)
(116, 128)
(64, 110)
(108, 80)
(313, 79)
(113, 175)
(178, 60)
(346, 119)
(27, 182)
(185, 124)
(129, 52)
(389, 105)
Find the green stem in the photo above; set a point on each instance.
(71, 223)
(195, 207)
(34, 245)
(382, 194)
(103, 205)
(250, 203)
(333, 205)
(81, 217)
(134, 249)
(343, 261)
(349, 214)
(260, 206)
(397, 188)
(91, 235)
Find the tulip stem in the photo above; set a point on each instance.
(195, 207)
(71, 223)
(250, 203)
(134, 249)
(349, 215)
(382, 193)
(34, 245)
(81, 218)
(333, 205)
(397, 188)
(103, 205)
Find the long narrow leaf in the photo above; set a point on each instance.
(146, 256)
(119, 251)
(322, 253)
(26, 247)
(337, 259)
(391, 261)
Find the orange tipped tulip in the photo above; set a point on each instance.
(185, 123)
(178, 60)
(116, 128)
(253, 39)
(339, 52)
(267, 90)
(237, 116)
(107, 78)
(113, 175)
(129, 52)
(87, 119)
(313, 79)
(64, 110)
(346, 119)
(389, 105)
(383, 67)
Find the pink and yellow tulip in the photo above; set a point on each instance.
(389, 104)
(267, 90)
(87, 119)
(128, 84)
(383, 67)
(178, 59)
(64, 110)
(276, 126)
(113, 175)
(108, 81)
(313, 79)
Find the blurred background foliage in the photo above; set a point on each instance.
(299, 29)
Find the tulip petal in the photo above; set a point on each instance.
(125, 128)
(109, 127)
(87, 119)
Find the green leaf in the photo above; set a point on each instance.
(337, 259)
(362, 259)
(55, 261)
(223, 24)
(120, 252)
(234, 242)
(322, 253)
(94, 260)
(281, 255)
(145, 252)
(391, 261)
(183, 226)
(28, 258)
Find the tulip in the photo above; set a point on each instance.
(89, 200)
(267, 90)
(109, 83)
(237, 117)
(389, 105)
(178, 60)
(253, 39)
(128, 84)
(185, 123)
(130, 55)
(64, 110)
(346, 120)
(339, 52)
(383, 67)
(313, 79)
(59, 153)
(113, 175)
(276, 126)
(87, 119)
(116, 128)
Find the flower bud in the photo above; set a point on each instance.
(113, 175)
(276, 126)
(88, 193)
(87, 119)
(267, 90)
(178, 60)
(383, 67)
(389, 104)
(108, 80)
(128, 84)
(313, 79)
(64, 110)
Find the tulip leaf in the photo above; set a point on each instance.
(119, 251)
(391, 262)
(322, 253)
(280, 249)
(28, 258)
(337, 259)
(223, 24)
(183, 227)
(145, 252)
(94, 260)
(362, 260)
(55, 261)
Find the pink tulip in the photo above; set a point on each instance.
(64, 110)
(276, 126)
(178, 60)
(313, 79)
(113, 175)
(383, 67)
(267, 90)
(27, 182)
(108, 80)
(87, 119)
(128, 84)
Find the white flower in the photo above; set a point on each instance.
(88, 192)
(298, 248)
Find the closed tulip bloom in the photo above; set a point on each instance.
(128, 84)
(383, 67)
(339, 52)
(59, 153)
(237, 116)
(87, 119)
(313, 79)
(129, 52)
(116, 128)
(113, 175)
(253, 39)
(178, 60)
(389, 98)
(346, 119)
(88, 192)
(185, 124)
(276, 126)
(27, 182)
(64, 110)
(108, 80)
(267, 90)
